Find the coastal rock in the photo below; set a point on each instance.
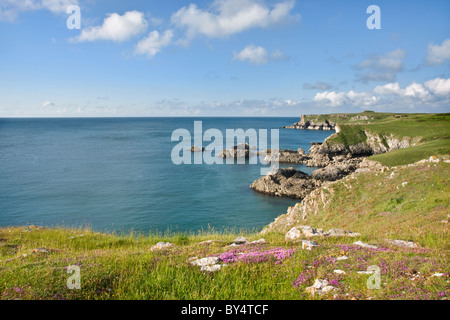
(161, 245)
(212, 268)
(287, 182)
(308, 245)
(239, 241)
(306, 231)
(293, 234)
(338, 271)
(319, 287)
(310, 125)
(403, 243)
(341, 233)
(336, 170)
(241, 150)
(283, 156)
(208, 261)
(365, 245)
(197, 149)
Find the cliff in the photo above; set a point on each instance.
(311, 125)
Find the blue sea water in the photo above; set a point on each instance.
(116, 174)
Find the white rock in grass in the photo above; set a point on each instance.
(308, 245)
(212, 268)
(341, 258)
(208, 261)
(161, 245)
(365, 245)
(338, 271)
(438, 275)
(319, 284)
(293, 234)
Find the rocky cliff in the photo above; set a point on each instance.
(310, 125)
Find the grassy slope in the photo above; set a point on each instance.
(433, 131)
(124, 267)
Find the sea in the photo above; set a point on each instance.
(117, 175)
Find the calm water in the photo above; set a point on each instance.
(117, 174)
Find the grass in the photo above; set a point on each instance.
(124, 267)
(378, 205)
(430, 133)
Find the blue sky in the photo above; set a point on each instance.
(222, 58)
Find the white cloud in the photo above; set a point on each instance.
(382, 68)
(258, 55)
(10, 9)
(416, 90)
(153, 43)
(390, 88)
(227, 17)
(58, 6)
(48, 104)
(116, 28)
(439, 86)
(337, 99)
(253, 54)
(435, 93)
(437, 54)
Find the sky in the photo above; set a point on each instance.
(222, 57)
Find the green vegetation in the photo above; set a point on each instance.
(409, 202)
(378, 205)
(429, 133)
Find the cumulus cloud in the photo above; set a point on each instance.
(381, 68)
(435, 92)
(252, 54)
(337, 99)
(258, 55)
(10, 9)
(116, 28)
(227, 17)
(439, 86)
(414, 90)
(48, 104)
(437, 54)
(153, 43)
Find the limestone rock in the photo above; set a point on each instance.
(287, 182)
(205, 261)
(161, 245)
(403, 243)
(365, 245)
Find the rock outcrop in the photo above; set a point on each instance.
(284, 156)
(241, 150)
(298, 232)
(287, 182)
